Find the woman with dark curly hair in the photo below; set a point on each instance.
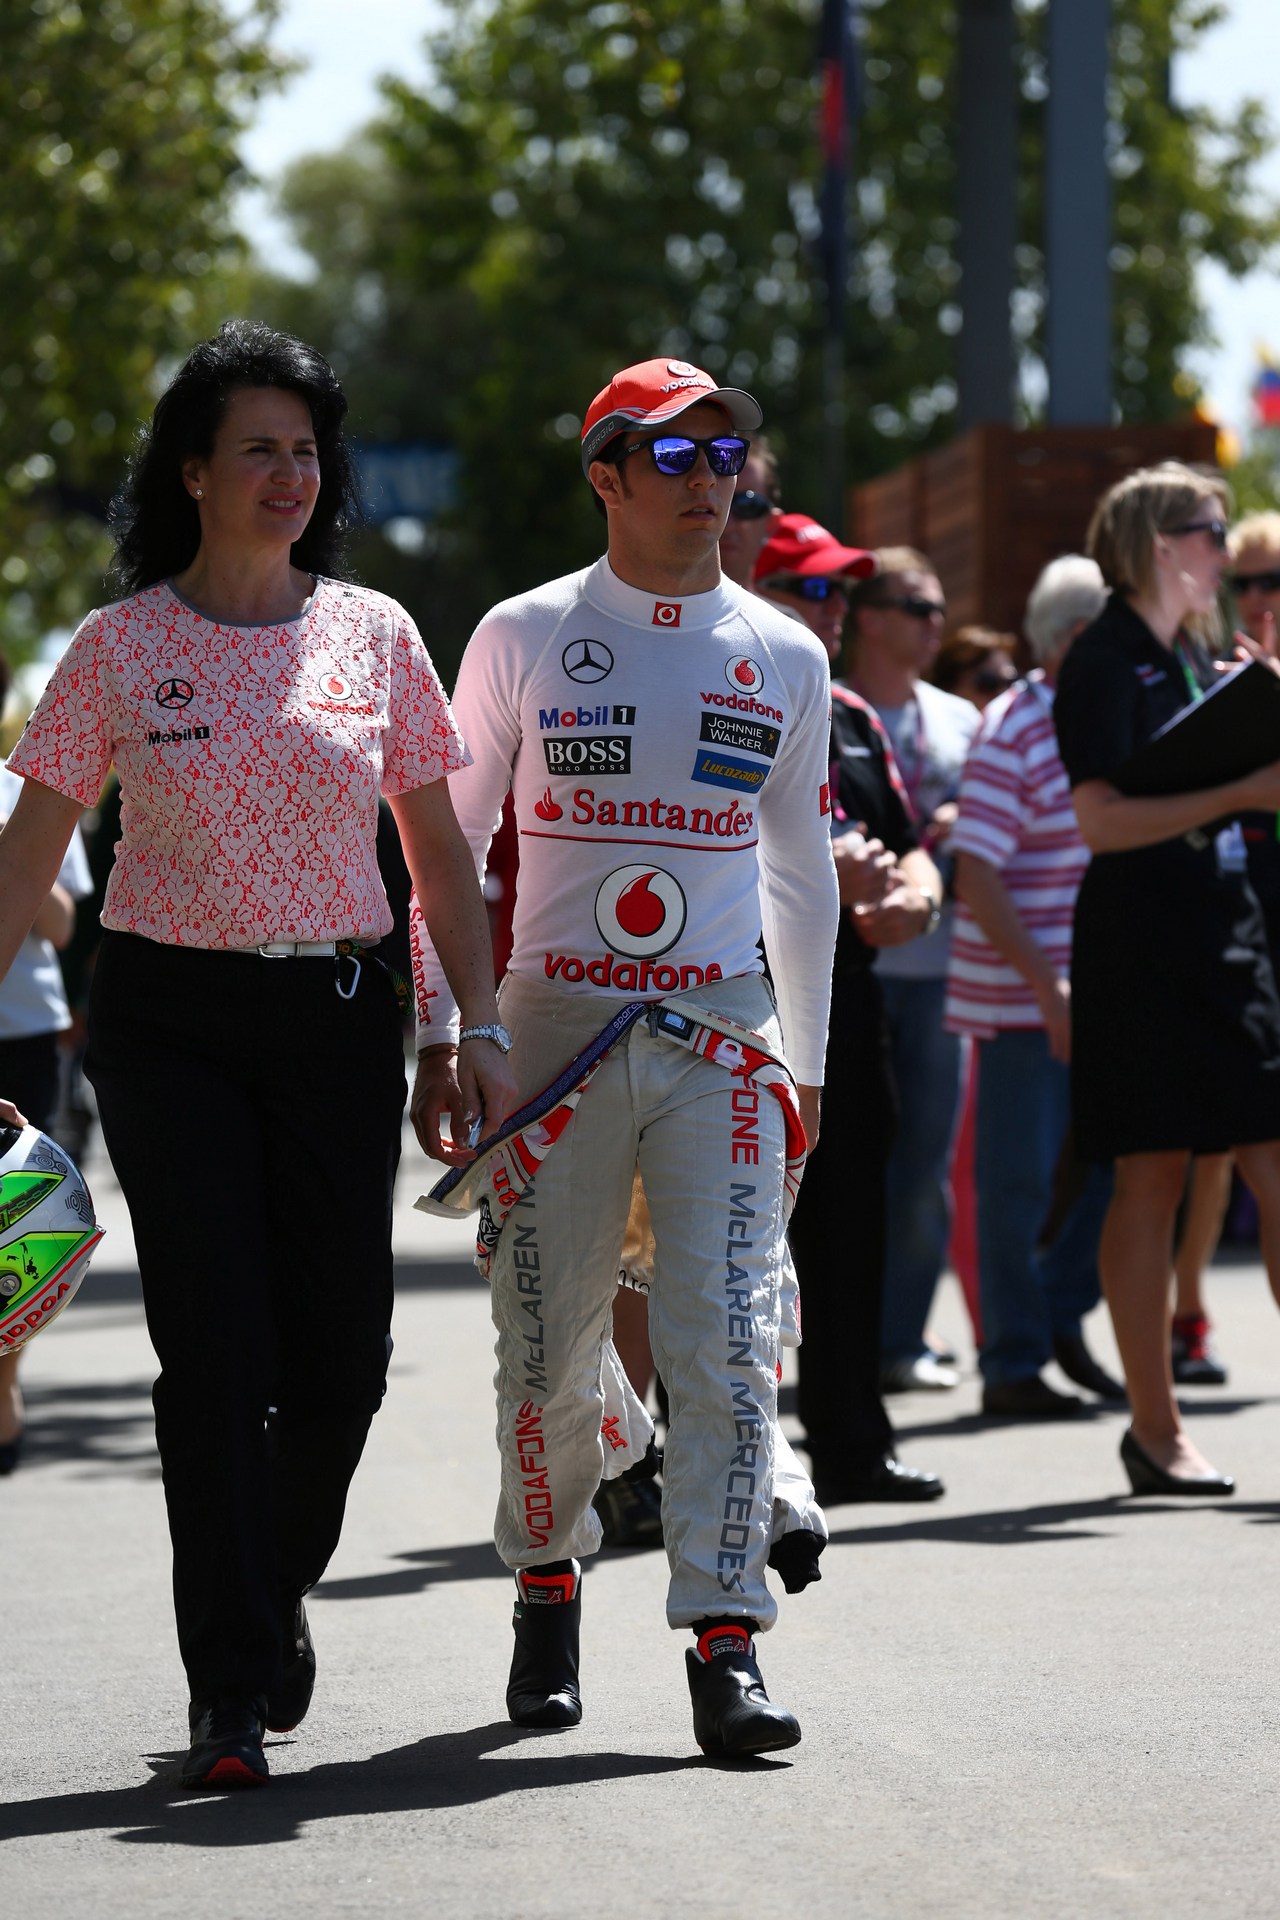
(244, 1037)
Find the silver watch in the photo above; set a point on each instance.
(493, 1030)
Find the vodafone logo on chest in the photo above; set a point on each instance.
(666, 613)
(744, 674)
(640, 910)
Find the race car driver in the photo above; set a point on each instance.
(664, 735)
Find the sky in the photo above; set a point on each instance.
(348, 46)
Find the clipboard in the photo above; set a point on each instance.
(1232, 731)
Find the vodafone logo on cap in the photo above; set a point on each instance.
(681, 368)
(743, 675)
(666, 613)
(641, 911)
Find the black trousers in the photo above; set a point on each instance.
(837, 1237)
(252, 1115)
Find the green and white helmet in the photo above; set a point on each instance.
(47, 1233)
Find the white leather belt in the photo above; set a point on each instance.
(302, 949)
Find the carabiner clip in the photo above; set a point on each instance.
(346, 993)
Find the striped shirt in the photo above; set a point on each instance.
(1015, 813)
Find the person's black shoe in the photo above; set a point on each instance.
(11, 1453)
(1076, 1361)
(226, 1745)
(888, 1479)
(1146, 1477)
(288, 1702)
(794, 1558)
(630, 1512)
(732, 1713)
(1029, 1399)
(542, 1690)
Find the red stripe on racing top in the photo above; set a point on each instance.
(629, 840)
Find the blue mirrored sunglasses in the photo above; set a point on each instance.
(675, 453)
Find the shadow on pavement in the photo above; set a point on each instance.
(121, 1287)
(965, 1423)
(105, 1424)
(428, 1567)
(1015, 1526)
(442, 1771)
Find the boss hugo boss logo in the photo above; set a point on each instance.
(589, 753)
(174, 693)
(587, 661)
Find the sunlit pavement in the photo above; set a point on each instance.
(1034, 1697)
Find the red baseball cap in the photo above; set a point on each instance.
(799, 545)
(653, 393)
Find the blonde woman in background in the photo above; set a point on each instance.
(1175, 1015)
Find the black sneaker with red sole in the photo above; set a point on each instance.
(226, 1746)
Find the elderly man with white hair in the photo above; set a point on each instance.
(1019, 863)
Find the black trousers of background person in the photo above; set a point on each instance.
(837, 1237)
(29, 1074)
(252, 1116)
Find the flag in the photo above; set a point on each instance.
(1266, 392)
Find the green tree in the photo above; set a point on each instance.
(583, 185)
(118, 130)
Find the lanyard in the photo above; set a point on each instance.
(1193, 685)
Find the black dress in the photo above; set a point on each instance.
(1175, 1017)
(837, 1230)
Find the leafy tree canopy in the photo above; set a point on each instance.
(580, 186)
(118, 129)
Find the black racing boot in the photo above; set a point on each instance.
(226, 1745)
(732, 1713)
(543, 1688)
(288, 1701)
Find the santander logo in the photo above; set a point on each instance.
(640, 910)
(546, 808)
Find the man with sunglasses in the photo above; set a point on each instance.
(891, 638)
(664, 735)
(809, 574)
(753, 513)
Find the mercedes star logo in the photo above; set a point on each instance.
(587, 660)
(175, 693)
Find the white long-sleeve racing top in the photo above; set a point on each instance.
(669, 766)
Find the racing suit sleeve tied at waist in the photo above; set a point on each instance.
(509, 1159)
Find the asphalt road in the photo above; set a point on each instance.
(1035, 1697)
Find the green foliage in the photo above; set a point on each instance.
(585, 185)
(118, 128)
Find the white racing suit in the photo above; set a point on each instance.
(712, 1148)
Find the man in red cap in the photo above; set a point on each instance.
(806, 570)
(664, 735)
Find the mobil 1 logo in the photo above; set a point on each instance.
(747, 736)
(597, 753)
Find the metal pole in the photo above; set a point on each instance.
(988, 165)
(1078, 215)
(839, 79)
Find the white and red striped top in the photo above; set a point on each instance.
(1016, 813)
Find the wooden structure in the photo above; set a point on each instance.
(999, 503)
